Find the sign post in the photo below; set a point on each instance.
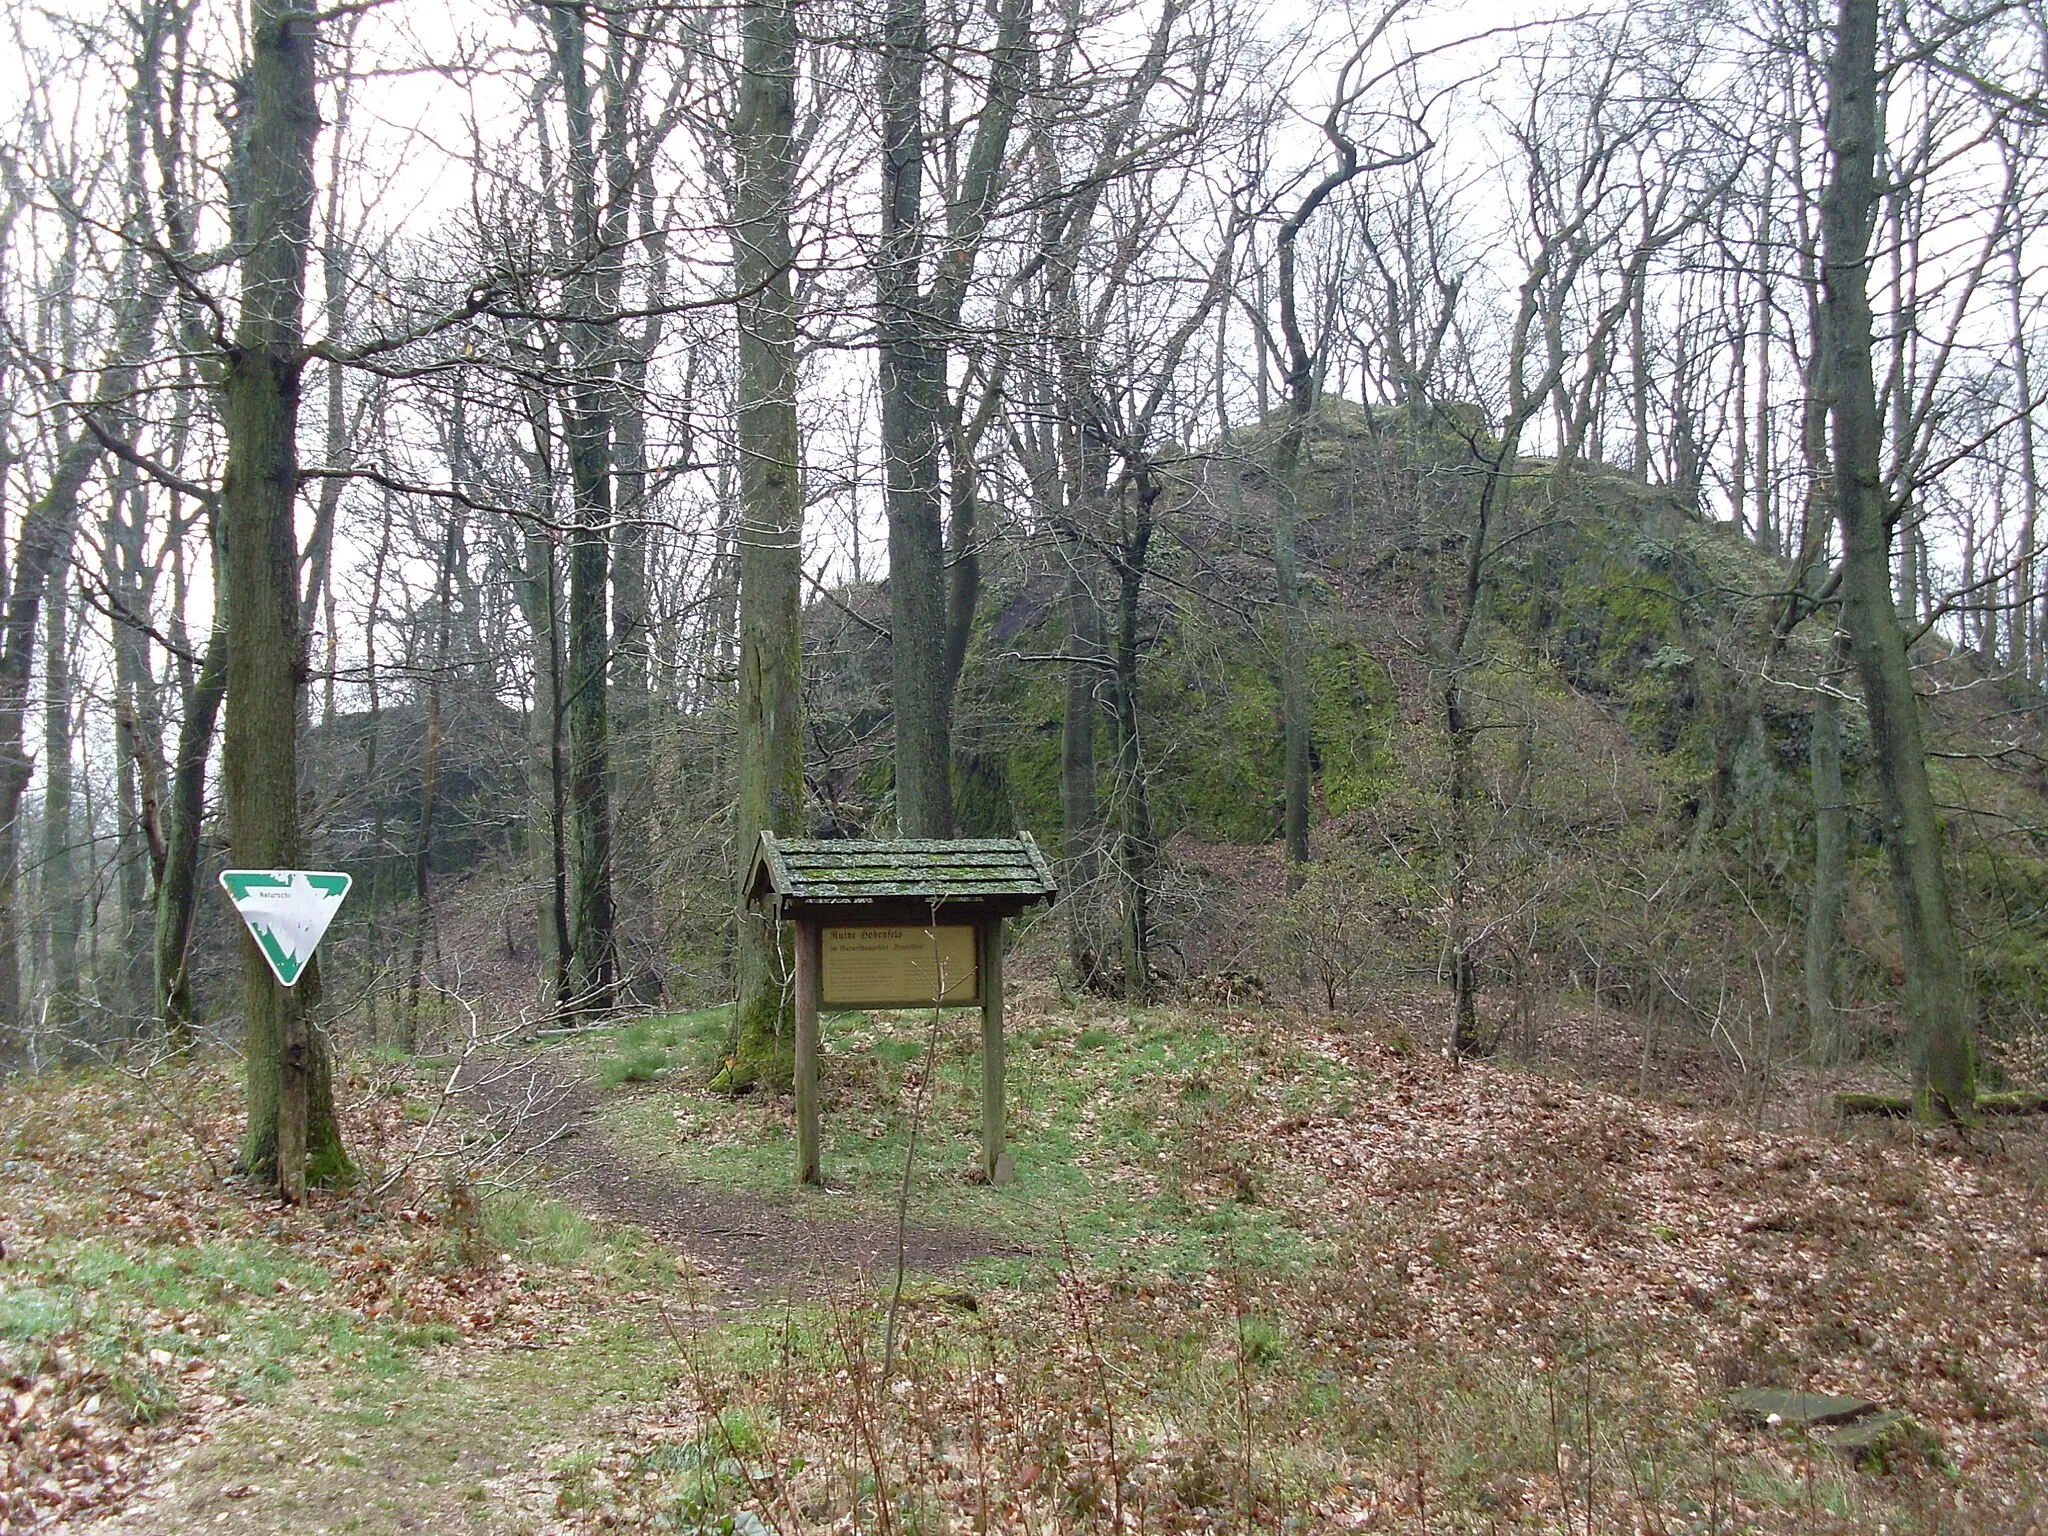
(807, 965)
(996, 1165)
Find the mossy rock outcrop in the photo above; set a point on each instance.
(1887, 1441)
(1776, 1407)
(1617, 624)
(1209, 703)
(1875, 1438)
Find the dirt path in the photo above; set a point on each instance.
(756, 1247)
(469, 1439)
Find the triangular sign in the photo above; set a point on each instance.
(287, 911)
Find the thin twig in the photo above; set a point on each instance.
(917, 1106)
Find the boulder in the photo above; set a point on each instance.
(1761, 1406)
(1884, 1441)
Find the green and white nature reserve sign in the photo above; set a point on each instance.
(287, 911)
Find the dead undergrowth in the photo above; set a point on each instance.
(1515, 1304)
(1472, 1299)
(145, 1293)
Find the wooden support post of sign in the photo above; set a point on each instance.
(807, 967)
(996, 1165)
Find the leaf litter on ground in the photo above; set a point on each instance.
(1519, 1303)
(1516, 1302)
(145, 1296)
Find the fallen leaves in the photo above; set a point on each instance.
(1516, 1290)
(1512, 1270)
(143, 1297)
(1871, 1264)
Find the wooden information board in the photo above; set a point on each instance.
(882, 966)
(910, 923)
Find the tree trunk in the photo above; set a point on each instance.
(631, 760)
(292, 1138)
(1938, 1003)
(538, 584)
(963, 557)
(1464, 789)
(630, 616)
(771, 766)
(1766, 520)
(634, 725)
(593, 955)
(1079, 813)
(177, 890)
(588, 418)
(47, 529)
(722, 623)
(1300, 374)
(1738, 486)
(59, 884)
(1830, 862)
(912, 328)
(138, 736)
(430, 754)
(1293, 648)
(2026, 619)
(1639, 375)
(913, 378)
(1135, 842)
(544, 773)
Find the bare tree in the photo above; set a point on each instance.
(913, 325)
(1938, 1001)
(293, 1137)
(771, 768)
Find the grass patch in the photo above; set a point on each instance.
(538, 1232)
(1136, 1136)
(534, 1229)
(136, 1319)
(639, 1054)
(649, 1049)
(142, 1288)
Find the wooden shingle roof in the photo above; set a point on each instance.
(991, 873)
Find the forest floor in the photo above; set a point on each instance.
(750, 1247)
(1259, 1271)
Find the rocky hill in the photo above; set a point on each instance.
(1644, 733)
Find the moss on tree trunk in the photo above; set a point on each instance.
(1938, 1001)
(292, 1137)
(771, 766)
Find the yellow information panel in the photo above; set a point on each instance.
(887, 967)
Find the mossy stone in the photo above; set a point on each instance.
(1885, 1441)
(1760, 1406)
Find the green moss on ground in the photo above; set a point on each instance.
(1123, 1127)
